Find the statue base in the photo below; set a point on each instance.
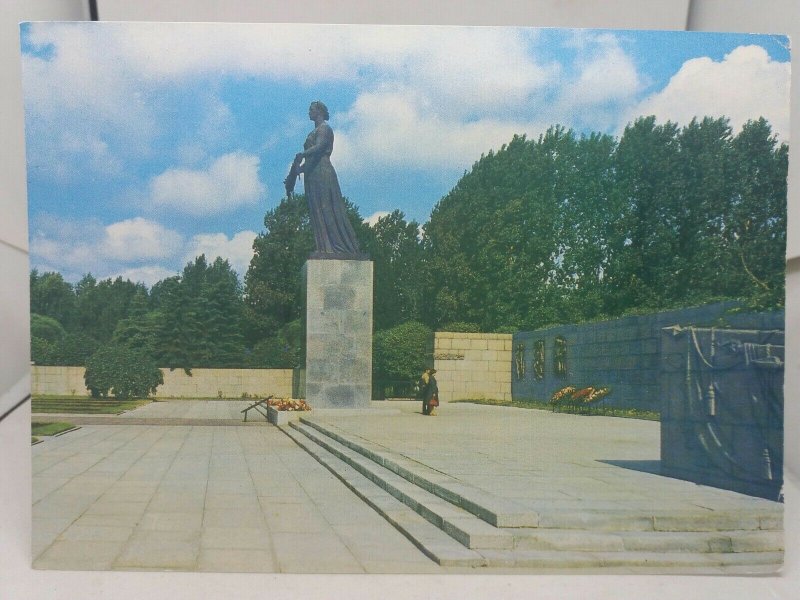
(338, 333)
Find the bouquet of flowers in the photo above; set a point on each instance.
(288, 404)
(596, 393)
(561, 395)
(573, 396)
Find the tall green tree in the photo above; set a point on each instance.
(396, 251)
(758, 225)
(199, 317)
(139, 329)
(647, 192)
(52, 296)
(273, 285)
(101, 305)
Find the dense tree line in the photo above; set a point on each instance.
(567, 228)
(563, 228)
(191, 320)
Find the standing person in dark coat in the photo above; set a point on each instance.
(429, 390)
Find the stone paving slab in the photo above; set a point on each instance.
(200, 498)
(191, 488)
(594, 463)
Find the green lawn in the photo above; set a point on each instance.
(605, 411)
(83, 405)
(49, 428)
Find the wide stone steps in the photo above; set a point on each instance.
(460, 525)
(430, 539)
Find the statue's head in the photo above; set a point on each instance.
(318, 106)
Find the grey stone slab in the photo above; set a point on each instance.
(189, 536)
(116, 508)
(166, 521)
(245, 502)
(241, 538)
(300, 518)
(537, 559)
(689, 560)
(79, 555)
(95, 520)
(230, 486)
(680, 541)
(42, 486)
(761, 541)
(555, 539)
(169, 502)
(96, 533)
(232, 560)
(229, 517)
(596, 521)
(313, 553)
(158, 555)
(707, 521)
(382, 566)
(62, 505)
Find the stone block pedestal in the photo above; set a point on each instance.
(338, 333)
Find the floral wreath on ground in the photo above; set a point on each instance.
(572, 395)
(288, 404)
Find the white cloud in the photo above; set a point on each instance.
(237, 250)
(75, 248)
(148, 275)
(135, 249)
(373, 219)
(606, 73)
(392, 129)
(81, 101)
(746, 84)
(229, 182)
(139, 239)
(110, 78)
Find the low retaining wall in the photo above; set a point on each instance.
(621, 353)
(472, 365)
(203, 383)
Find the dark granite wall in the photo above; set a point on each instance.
(722, 408)
(622, 353)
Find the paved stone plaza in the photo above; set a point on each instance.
(188, 486)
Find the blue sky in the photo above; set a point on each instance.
(149, 143)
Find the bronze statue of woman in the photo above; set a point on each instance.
(333, 233)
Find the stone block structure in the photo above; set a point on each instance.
(203, 383)
(473, 365)
(338, 325)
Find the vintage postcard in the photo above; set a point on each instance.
(405, 299)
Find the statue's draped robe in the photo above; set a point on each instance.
(333, 232)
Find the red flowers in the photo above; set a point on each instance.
(288, 404)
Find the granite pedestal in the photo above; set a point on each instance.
(338, 333)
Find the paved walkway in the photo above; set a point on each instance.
(546, 461)
(230, 498)
(202, 498)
